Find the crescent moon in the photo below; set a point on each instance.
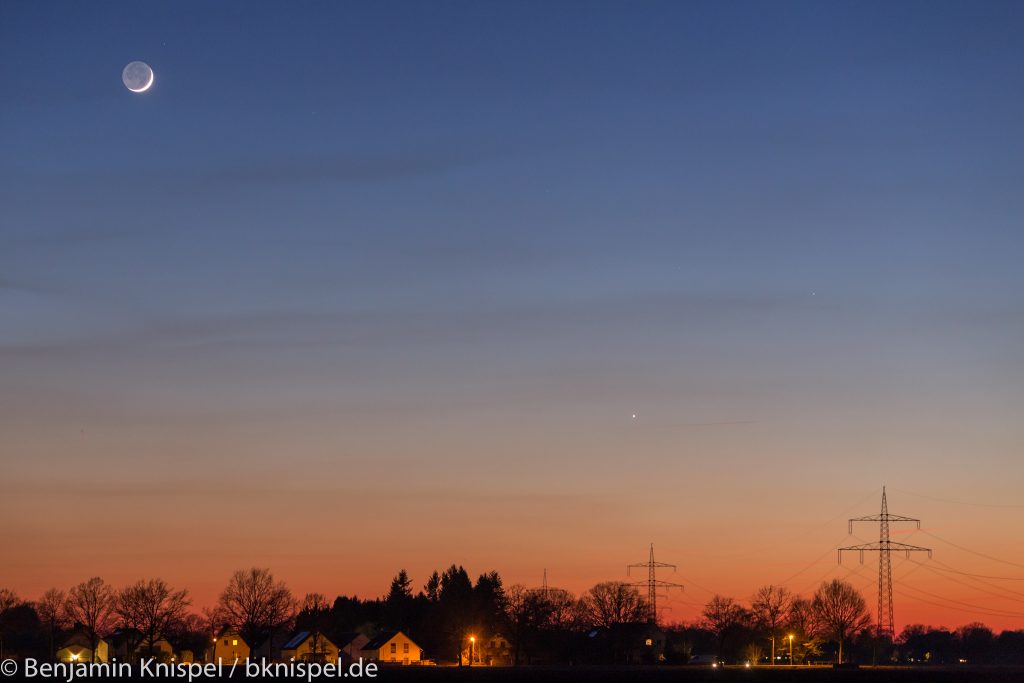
(144, 88)
(138, 77)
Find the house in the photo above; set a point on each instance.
(493, 650)
(229, 647)
(78, 648)
(350, 645)
(392, 647)
(269, 644)
(641, 643)
(309, 646)
(123, 640)
(629, 643)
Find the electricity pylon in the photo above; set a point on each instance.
(543, 590)
(884, 547)
(653, 583)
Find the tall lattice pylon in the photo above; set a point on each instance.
(653, 583)
(886, 622)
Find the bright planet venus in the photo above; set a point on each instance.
(137, 77)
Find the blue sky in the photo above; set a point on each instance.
(490, 232)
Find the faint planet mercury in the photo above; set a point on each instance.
(137, 77)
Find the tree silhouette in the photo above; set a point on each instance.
(527, 611)
(769, 607)
(91, 604)
(841, 611)
(315, 618)
(53, 613)
(720, 616)
(253, 603)
(8, 600)
(153, 609)
(612, 603)
(432, 588)
(398, 605)
(455, 608)
(489, 604)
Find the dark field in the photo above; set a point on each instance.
(664, 674)
(627, 674)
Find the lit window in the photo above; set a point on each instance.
(649, 642)
(234, 641)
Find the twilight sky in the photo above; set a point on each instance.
(362, 286)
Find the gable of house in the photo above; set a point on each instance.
(229, 647)
(301, 647)
(392, 646)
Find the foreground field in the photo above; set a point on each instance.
(664, 674)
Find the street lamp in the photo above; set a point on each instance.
(472, 643)
(791, 649)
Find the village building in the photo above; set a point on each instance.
(350, 645)
(78, 648)
(228, 647)
(309, 646)
(126, 645)
(493, 650)
(392, 647)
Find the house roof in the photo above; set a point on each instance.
(343, 639)
(380, 640)
(81, 639)
(271, 639)
(228, 631)
(298, 639)
(302, 636)
(119, 636)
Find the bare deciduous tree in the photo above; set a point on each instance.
(526, 612)
(720, 615)
(562, 611)
(769, 607)
(841, 610)
(91, 604)
(254, 602)
(801, 619)
(8, 600)
(52, 611)
(152, 609)
(315, 612)
(612, 603)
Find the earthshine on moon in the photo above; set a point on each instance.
(137, 77)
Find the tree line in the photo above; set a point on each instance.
(549, 625)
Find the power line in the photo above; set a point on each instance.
(959, 502)
(981, 576)
(815, 561)
(974, 609)
(963, 583)
(974, 552)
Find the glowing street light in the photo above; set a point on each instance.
(472, 643)
(791, 649)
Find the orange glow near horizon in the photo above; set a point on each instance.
(347, 543)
